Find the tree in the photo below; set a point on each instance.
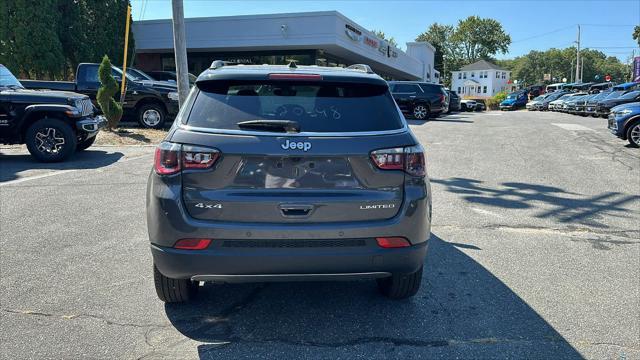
(480, 38)
(50, 37)
(447, 53)
(382, 36)
(108, 88)
(30, 45)
(636, 34)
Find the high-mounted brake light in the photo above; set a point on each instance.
(392, 242)
(192, 244)
(295, 77)
(410, 159)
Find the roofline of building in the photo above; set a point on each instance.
(421, 43)
(239, 17)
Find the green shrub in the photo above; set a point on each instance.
(108, 88)
(500, 96)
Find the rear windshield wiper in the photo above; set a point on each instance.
(288, 126)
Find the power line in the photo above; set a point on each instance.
(544, 34)
(609, 25)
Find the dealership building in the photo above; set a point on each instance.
(325, 38)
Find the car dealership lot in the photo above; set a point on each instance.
(535, 253)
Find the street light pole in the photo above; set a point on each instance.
(180, 51)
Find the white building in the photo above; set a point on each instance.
(325, 38)
(481, 79)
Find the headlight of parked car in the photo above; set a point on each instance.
(173, 96)
(623, 112)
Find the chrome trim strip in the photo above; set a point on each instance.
(301, 134)
(290, 277)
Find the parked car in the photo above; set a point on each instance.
(454, 101)
(601, 87)
(590, 106)
(278, 173)
(534, 91)
(533, 104)
(149, 102)
(544, 104)
(580, 105)
(472, 105)
(138, 75)
(604, 106)
(169, 76)
(554, 87)
(419, 100)
(624, 122)
(557, 105)
(53, 124)
(570, 105)
(514, 101)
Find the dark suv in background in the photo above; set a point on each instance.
(419, 100)
(285, 173)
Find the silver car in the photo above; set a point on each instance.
(288, 173)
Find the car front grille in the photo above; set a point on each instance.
(294, 243)
(86, 106)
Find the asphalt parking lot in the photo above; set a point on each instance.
(535, 253)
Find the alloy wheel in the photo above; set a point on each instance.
(420, 112)
(635, 134)
(49, 141)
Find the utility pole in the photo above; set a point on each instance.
(123, 85)
(581, 69)
(578, 77)
(180, 51)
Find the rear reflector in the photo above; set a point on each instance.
(392, 242)
(295, 77)
(192, 244)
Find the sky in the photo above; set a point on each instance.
(533, 25)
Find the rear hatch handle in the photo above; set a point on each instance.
(296, 210)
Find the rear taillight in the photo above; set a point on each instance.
(171, 158)
(392, 242)
(410, 159)
(441, 99)
(192, 244)
(196, 157)
(167, 160)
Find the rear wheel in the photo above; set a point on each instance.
(50, 140)
(420, 112)
(633, 134)
(85, 144)
(173, 290)
(151, 116)
(400, 286)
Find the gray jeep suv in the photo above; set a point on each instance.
(288, 173)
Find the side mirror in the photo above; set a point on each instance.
(118, 78)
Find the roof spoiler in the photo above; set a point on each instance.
(361, 67)
(217, 64)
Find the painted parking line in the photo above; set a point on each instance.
(572, 127)
(60, 172)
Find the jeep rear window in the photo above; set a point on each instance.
(316, 107)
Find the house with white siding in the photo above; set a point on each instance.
(481, 80)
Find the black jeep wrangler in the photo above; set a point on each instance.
(53, 124)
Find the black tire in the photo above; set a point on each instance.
(51, 140)
(173, 290)
(151, 116)
(634, 132)
(400, 286)
(421, 112)
(85, 144)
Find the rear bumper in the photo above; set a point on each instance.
(236, 264)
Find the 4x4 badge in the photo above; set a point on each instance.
(292, 145)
